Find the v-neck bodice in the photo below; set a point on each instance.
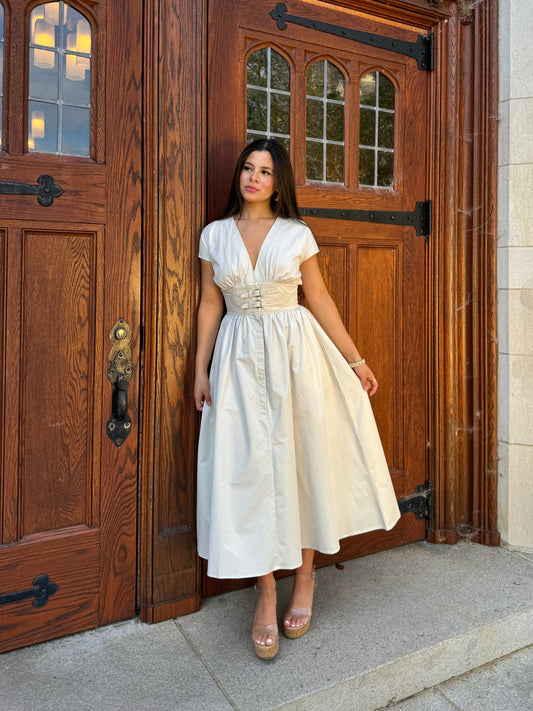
(265, 239)
(286, 245)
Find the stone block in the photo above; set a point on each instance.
(503, 490)
(503, 133)
(503, 207)
(518, 264)
(521, 130)
(520, 205)
(504, 48)
(503, 397)
(520, 400)
(520, 493)
(520, 325)
(519, 47)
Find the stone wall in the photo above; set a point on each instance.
(515, 273)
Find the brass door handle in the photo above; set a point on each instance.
(119, 372)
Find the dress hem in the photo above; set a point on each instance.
(242, 576)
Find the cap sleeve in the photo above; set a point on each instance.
(203, 250)
(309, 247)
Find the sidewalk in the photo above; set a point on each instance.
(385, 628)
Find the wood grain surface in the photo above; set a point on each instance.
(69, 271)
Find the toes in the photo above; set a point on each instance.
(295, 623)
(268, 642)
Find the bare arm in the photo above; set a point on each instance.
(208, 320)
(324, 310)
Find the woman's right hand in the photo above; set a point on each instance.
(202, 394)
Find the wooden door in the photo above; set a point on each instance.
(343, 91)
(70, 292)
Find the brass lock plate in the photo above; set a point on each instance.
(120, 359)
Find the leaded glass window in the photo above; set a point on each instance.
(325, 123)
(59, 115)
(376, 131)
(1, 66)
(268, 77)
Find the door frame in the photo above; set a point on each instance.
(460, 286)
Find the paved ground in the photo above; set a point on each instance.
(398, 629)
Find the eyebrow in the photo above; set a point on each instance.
(263, 167)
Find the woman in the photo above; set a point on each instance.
(289, 457)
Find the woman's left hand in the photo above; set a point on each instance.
(367, 378)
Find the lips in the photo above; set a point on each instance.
(250, 189)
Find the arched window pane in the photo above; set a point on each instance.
(325, 123)
(376, 131)
(59, 116)
(1, 66)
(268, 96)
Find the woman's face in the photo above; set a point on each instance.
(257, 179)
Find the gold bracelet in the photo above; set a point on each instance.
(357, 363)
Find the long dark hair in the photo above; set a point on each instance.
(283, 201)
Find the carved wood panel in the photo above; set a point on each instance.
(57, 354)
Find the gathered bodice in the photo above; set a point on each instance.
(287, 244)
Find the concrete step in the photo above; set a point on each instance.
(503, 685)
(384, 628)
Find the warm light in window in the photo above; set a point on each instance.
(76, 67)
(83, 37)
(51, 13)
(37, 14)
(43, 34)
(37, 124)
(43, 59)
(59, 91)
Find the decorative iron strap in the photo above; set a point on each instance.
(419, 218)
(421, 50)
(41, 590)
(46, 190)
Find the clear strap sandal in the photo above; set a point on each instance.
(301, 615)
(269, 648)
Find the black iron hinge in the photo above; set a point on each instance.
(419, 218)
(418, 503)
(41, 591)
(46, 190)
(422, 50)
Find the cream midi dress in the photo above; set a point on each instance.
(289, 454)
